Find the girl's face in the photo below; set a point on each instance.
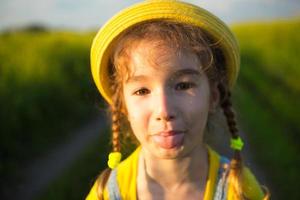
(167, 98)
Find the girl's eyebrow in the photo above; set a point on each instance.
(136, 78)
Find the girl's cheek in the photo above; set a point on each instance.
(138, 109)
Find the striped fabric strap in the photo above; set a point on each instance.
(222, 184)
(112, 186)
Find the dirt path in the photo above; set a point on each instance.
(46, 169)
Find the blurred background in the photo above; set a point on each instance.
(54, 133)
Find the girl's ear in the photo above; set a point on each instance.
(214, 97)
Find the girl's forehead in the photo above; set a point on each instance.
(159, 57)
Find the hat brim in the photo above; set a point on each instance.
(155, 10)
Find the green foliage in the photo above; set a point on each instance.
(45, 90)
(267, 98)
(276, 44)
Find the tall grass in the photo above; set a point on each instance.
(276, 46)
(267, 98)
(45, 91)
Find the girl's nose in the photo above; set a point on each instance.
(164, 107)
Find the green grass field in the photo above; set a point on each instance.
(46, 89)
(45, 92)
(266, 98)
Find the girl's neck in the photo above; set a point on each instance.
(171, 174)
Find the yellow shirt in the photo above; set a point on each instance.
(127, 176)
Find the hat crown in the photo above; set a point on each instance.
(159, 10)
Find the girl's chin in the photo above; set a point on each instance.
(168, 153)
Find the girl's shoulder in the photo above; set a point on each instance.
(123, 174)
(250, 186)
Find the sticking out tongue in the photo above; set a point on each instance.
(169, 141)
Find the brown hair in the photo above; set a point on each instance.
(181, 37)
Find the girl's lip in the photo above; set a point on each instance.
(169, 139)
(169, 133)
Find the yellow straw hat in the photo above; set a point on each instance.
(160, 9)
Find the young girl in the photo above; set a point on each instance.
(166, 68)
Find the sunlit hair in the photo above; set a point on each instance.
(181, 38)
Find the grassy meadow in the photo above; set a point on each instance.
(266, 98)
(46, 91)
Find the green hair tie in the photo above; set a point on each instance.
(236, 143)
(114, 159)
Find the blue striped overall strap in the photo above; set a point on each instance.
(112, 186)
(222, 183)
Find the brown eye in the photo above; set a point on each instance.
(141, 92)
(184, 85)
